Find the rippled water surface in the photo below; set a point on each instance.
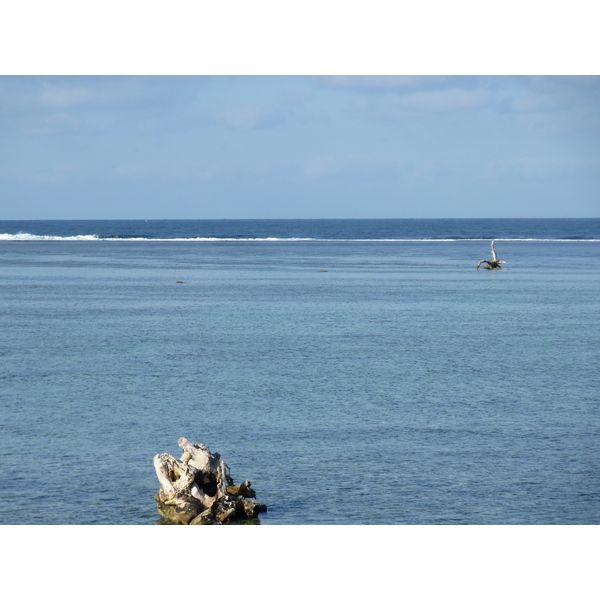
(354, 382)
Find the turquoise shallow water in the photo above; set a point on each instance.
(355, 382)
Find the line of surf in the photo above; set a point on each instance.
(30, 237)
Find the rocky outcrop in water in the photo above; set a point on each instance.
(197, 489)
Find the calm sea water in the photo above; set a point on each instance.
(358, 372)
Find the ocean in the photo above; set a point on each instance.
(357, 371)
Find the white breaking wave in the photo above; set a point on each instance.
(30, 237)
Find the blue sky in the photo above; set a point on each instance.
(127, 147)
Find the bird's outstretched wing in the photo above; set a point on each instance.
(482, 261)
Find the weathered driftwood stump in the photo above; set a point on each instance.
(491, 264)
(197, 489)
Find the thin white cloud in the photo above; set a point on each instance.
(250, 116)
(50, 94)
(561, 83)
(52, 105)
(61, 97)
(87, 92)
(439, 100)
(544, 94)
(534, 102)
(376, 82)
